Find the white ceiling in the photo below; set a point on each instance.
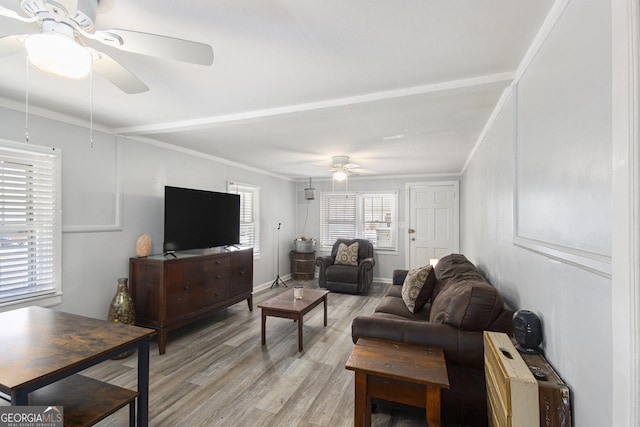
(403, 87)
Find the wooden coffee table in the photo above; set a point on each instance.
(397, 372)
(285, 306)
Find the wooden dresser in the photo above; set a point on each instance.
(172, 292)
(512, 390)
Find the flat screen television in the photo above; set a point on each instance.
(198, 219)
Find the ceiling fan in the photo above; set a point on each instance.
(342, 168)
(59, 47)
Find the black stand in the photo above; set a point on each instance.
(278, 281)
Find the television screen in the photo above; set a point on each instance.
(197, 219)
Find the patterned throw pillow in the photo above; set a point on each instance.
(412, 286)
(347, 255)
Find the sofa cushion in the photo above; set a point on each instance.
(347, 255)
(456, 268)
(342, 273)
(468, 305)
(413, 285)
(394, 306)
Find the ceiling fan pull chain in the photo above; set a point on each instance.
(26, 108)
(91, 108)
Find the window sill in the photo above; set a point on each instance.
(40, 300)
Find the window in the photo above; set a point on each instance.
(371, 216)
(30, 231)
(249, 214)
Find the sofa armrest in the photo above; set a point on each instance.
(399, 276)
(464, 348)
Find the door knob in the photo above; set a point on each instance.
(411, 231)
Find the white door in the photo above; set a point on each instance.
(433, 227)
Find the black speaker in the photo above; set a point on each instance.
(527, 331)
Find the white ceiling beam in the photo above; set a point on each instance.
(494, 80)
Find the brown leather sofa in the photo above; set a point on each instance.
(462, 305)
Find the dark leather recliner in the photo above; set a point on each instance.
(347, 278)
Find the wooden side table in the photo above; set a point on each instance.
(397, 372)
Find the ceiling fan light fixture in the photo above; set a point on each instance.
(340, 175)
(58, 54)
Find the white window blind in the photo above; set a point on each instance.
(249, 214)
(337, 217)
(29, 224)
(371, 216)
(379, 212)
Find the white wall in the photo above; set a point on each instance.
(93, 178)
(566, 111)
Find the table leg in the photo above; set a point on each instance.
(325, 310)
(362, 411)
(264, 324)
(19, 398)
(143, 383)
(433, 406)
(300, 333)
(162, 341)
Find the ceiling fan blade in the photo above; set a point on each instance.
(110, 69)
(14, 15)
(155, 45)
(10, 45)
(351, 165)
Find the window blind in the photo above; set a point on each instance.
(337, 217)
(371, 216)
(379, 216)
(29, 224)
(249, 214)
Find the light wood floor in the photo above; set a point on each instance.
(216, 372)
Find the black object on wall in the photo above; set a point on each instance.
(527, 331)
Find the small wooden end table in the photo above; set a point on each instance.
(285, 306)
(397, 372)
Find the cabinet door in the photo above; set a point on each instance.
(242, 271)
(177, 291)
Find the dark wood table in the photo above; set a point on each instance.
(41, 346)
(397, 372)
(285, 306)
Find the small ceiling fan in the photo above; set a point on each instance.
(342, 168)
(59, 47)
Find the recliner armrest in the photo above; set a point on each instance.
(464, 348)
(366, 264)
(324, 261)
